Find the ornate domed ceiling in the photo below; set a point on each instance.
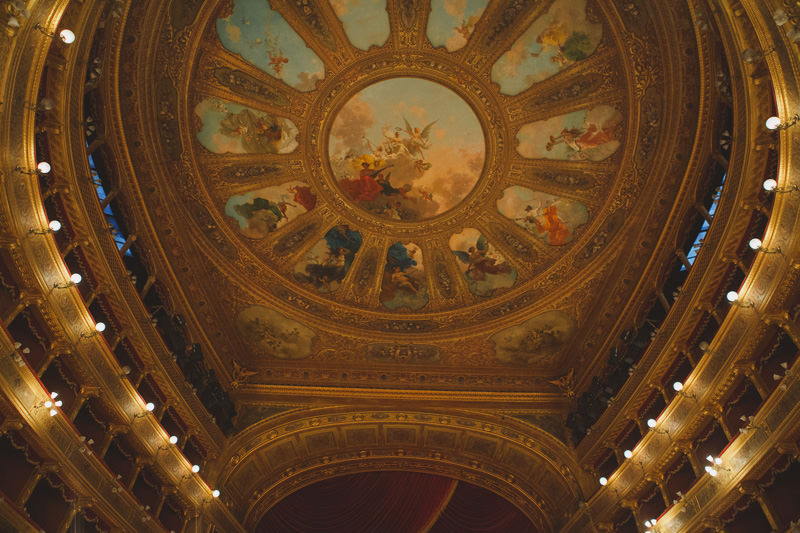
(461, 196)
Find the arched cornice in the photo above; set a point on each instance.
(521, 463)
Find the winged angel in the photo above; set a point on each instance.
(416, 142)
(478, 262)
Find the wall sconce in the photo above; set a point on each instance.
(66, 36)
(51, 404)
(750, 426)
(43, 167)
(771, 185)
(651, 423)
(52, 227)
(715, 466)
(774, 123)
(99, 328)
(45, 104)
(678, 388)
(750, 55)
(756, 244)
(74, 279)
(733, 299)
(604, 481)
(15, 353)
(148, 408)
(786, 374)
(172, 440)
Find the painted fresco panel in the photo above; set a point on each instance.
(550, 218)
(484, 268)
(262, 211)
(591, 134)
(366, 22)
(281, 336)
(236, 129)
(404, 284)
(451, 22)
(552, 43)
(534, 340)
(326, 264)
(263, 37)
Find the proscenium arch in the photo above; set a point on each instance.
(521, 463)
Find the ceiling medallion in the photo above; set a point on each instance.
(409, 144)
(406, 149)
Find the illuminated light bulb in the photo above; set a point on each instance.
(59, 403)
(100, 327)
(173, 439)
(628, 454)
(44, 167)
(678, 386)
(54, 395)
(215, 493)
(770, 184)
(755, 243)
(711, 471)
(195, 468)
(67, 36)
(150, 406)
(732, 296)
(53, 412)
(773, 123)
(651, 422)
(48, 404)
(603, 481)
(75, 278)
(54, 225)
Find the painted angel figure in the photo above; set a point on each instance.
(417, 141)
(478, 261)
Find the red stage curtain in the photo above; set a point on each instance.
(473, 509)
(369, 502)
(394, 502)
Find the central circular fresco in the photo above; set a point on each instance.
(406, 149)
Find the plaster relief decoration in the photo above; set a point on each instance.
(261, 36)
(406, 149)
(484, 268)
(261, 212)
(366, 22)
(278, 335)
(325, 265)
(550, 218)
(403, 283)
(581, 135)
(535, 340)
(552, 43)
(451, 22)
(236, 129)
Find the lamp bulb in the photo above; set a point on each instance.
(100, 327)
(195, 468)
(150, 406)
(215, 493)
(770, 184)
(754, 244)
(67, 36)
(628, 454)
(678, 386)
(75, 278)
(651, 422)
(54, 225)
(173, 439)
(732, 296)
(44, 167)
(603, 481)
